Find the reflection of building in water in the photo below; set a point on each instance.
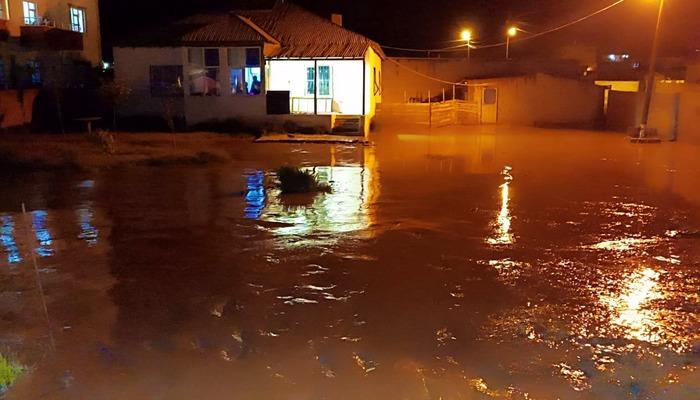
(346, 208)
(502, 226)
(42, 233)
(7, 239)
(88, 232)
(472, 154)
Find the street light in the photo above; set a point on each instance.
(510, 33)
(652, 74)
(467, 37)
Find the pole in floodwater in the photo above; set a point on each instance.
(38, 281)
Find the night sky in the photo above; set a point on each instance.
(433, 23)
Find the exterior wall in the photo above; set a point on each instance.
(373, 82)
(408, 78)
(689, 115)
(546, 100)
(132, 66)
(346, 84)
(15, 113)
(57, 11)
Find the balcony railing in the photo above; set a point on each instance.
(43, 33)
(305, 105)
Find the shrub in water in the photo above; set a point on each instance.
(295, 180)
(9, 372)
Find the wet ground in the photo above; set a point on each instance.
(457, 264)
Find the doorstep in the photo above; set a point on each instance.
(312, 138)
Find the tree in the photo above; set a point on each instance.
(115, 93)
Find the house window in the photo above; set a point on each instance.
(34, 71)
(30, 16)
(324, 80)
(77, 19)
(245, 71)
(3, 8)
(166, 80)
(204, 72)
(310, 81)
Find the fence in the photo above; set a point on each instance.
(444, 113)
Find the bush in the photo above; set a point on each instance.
(9, 372)
(295, 180)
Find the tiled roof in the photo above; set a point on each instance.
(300, 33)
(204, 29)
(303, 34)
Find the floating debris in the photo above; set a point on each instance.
(365, 364)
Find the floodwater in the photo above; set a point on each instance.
(498, 263)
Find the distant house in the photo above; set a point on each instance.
(277, 65)
(38, 36)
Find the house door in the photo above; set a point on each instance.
(489, 105)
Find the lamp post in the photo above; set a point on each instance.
(511, 32)
(467, 37)
(652, 74)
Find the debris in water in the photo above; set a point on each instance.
(365, 364)
(443, 335)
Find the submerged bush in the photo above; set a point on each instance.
(9, 372)
(296, 180)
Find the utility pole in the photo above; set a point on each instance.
(652, 74)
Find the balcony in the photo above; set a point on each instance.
(44, 35)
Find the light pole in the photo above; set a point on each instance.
(511, 32)
(652, 74)
(467, 37)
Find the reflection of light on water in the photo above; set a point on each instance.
(88, 232)
(7, 239)
(345, 209)
(255, 194)
(624, 244)
(42, 233)
(630, 307)
(503, 234)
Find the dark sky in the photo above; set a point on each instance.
(433, 23)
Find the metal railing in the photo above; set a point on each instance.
(305, 105)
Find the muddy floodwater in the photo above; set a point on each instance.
(453, 264)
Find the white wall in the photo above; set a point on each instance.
(346, 81)
(133, 66)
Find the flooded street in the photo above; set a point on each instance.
(495, 263)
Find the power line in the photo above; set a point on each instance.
(536, 35)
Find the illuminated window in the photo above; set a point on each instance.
(310, 81)
(30, 16)
(204, 72)
(166, 80)
(324, 80)
(77, 19)
(3, 10)
(244, 70)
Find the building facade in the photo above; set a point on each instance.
(39, 39)
(277, 65)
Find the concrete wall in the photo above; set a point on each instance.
(133, 66)
(689, 115)
(58, 12)
(546, 100)
(406, 78)
(14, 112)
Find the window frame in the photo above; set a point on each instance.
(241, 62)
(329, 82)
(28, 10)
(157, 92)
(83, 18)
(4, 10)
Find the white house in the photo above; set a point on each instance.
(276, 65)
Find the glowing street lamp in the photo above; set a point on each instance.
(652, 73)
(510, 33)
(467, 37)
